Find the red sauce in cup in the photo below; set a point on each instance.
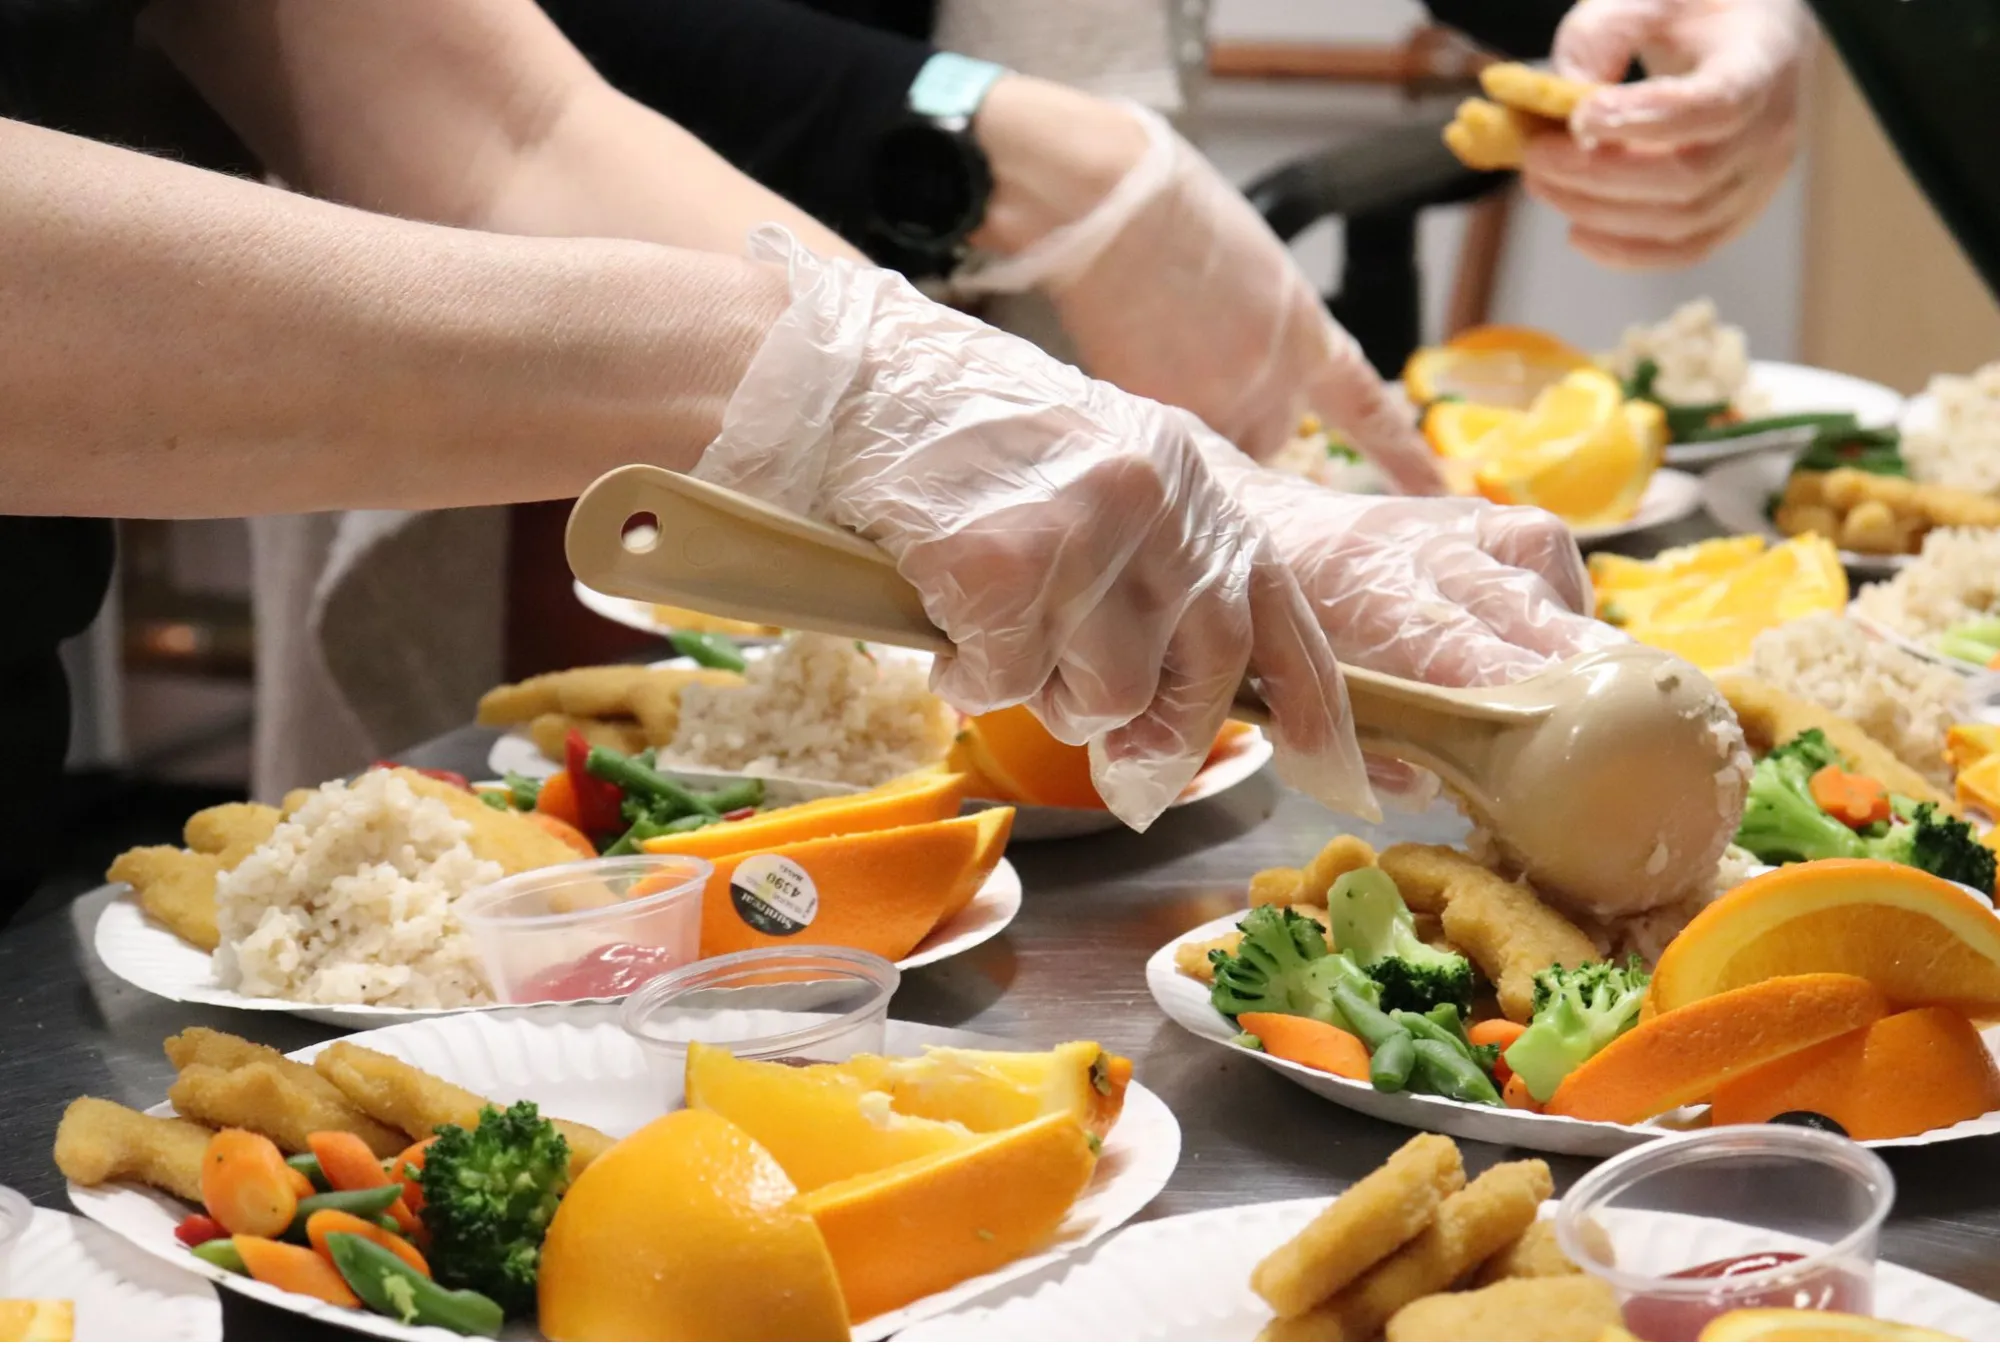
(1653, 1317)
(612, 971)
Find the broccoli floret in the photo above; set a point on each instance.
(1577, 1013)
(1373, 926)
(1282, 965)
(489, 1194)
(1781, 821)
(1931, 841)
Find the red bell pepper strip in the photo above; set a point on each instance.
(196, 1229)
(597, 802)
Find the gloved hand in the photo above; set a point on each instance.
(1449, 591)
(1067, 536)
(1663, 172)
(1172, 286)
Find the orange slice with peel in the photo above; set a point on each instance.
(915, 802)
(1810, 1324)
(1680, 1056)
(1921, 940)
(1456, 430)
(1014, 757)
(1495, 364)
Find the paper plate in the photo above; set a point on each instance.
(1914, 647)
(580, 1065)
(1671, 496)
(638, 616)
(1185, 1000)
(1188, 1279)
(1238, 760)
(120, 1293)
(146, 956)
(1736, 493)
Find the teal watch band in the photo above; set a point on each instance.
(951, 86)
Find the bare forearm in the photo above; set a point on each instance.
(173, 343)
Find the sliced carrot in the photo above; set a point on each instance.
(349, 1164)
(325, 1221)
(1499, 1033)
(246, 1184)
(296, 1270)
(1855, 800)
(563, 830)
(1515, 1094)
(301, 1183)
(408, 1169)
(1315, 1044)
(558, 798)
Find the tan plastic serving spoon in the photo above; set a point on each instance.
(1614, 779)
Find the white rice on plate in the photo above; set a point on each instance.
(1961, 448)
(1700, 358)
(1956, 578)
(818, 707)
(351, 900)
(1904, 701)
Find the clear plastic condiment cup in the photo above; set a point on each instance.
(16, 1215)
(599, 928)
(1760, 1191)
(794, 1005)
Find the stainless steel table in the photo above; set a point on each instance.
(1069, 967)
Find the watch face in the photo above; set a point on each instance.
(929, 186)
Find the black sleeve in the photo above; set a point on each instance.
(794, 98)
(1521, 29)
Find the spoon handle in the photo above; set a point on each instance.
(718, 551)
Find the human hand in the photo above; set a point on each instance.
(1068, 537)
(1169, 283)
(1663, 172)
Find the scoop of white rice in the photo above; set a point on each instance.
(1961, 448)
(1957, 577)
(1700, 358)
(351, 901)
(1903, 701)
(821, 708)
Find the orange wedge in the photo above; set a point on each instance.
(1581, 451)
(1496, 365)
(882, 891)
(1920, 1070)
(916, 801)
(999, 1089)
(1456, 429)
(1614, 572)
(1810, 1324)
(1921, 940)
(1678, 1057)
(911, 1230)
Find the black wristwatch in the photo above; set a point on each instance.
(929, 182)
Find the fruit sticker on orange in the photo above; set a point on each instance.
(773, 894)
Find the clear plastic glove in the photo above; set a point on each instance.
(1067, 536)
(1663, 172)
(1172, 286)
(1449, 591)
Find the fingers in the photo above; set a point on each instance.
(1599, 39)
(1537, 542)
(1519, 608)
(1351, 396)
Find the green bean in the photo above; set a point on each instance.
(394, 1288)
(525, 791)
(1757, 426)
(222, 1252)
(363, 1204)
(1389, 1067)
(1449, 1073)
(711, 650)
(1368, 1022)
(306, 1163)
(496, 799)
(645, 827)
(642, 780)
(736, 796)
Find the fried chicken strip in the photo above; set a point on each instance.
(550, 732)
(100, 1142)
(1369, 1220)
(417, 1103)
(1534, 1255)
(1493, 1210)
(1562, 1308)
(265, 1100)
(505, 837)
(1771, 716)
(176, 888)
(220, 1050)
(232, 831)
(1342, 854)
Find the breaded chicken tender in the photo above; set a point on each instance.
(1536, 92)
(175, 887)
(1493, 1210)
(656, 699)
(1342, 854)
(550, 733)
(220, 1050)
(417, 1103)
(1369, 1220)
(1565, 1308)
(1501, 925)
(1535, 1255)
(1488, 137)
(100, 1142)
(265, 1100)
(1278, 886)
(232, 831)
(1771, 716)
(505, 837)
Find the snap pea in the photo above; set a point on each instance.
(711, 650)
(1448, 1073)
(1389, 1067)
(222, 1252)
(388, 1284)
(305, 1162)
(365, 1204)
(736, 796)
(643, 780)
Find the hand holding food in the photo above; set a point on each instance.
(983, 498)
(1172, 287)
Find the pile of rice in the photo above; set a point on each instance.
(351, 900)
(818, 707)
(1905, 702)
(1957, 577)
(1700, 358)
(1961, 448)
